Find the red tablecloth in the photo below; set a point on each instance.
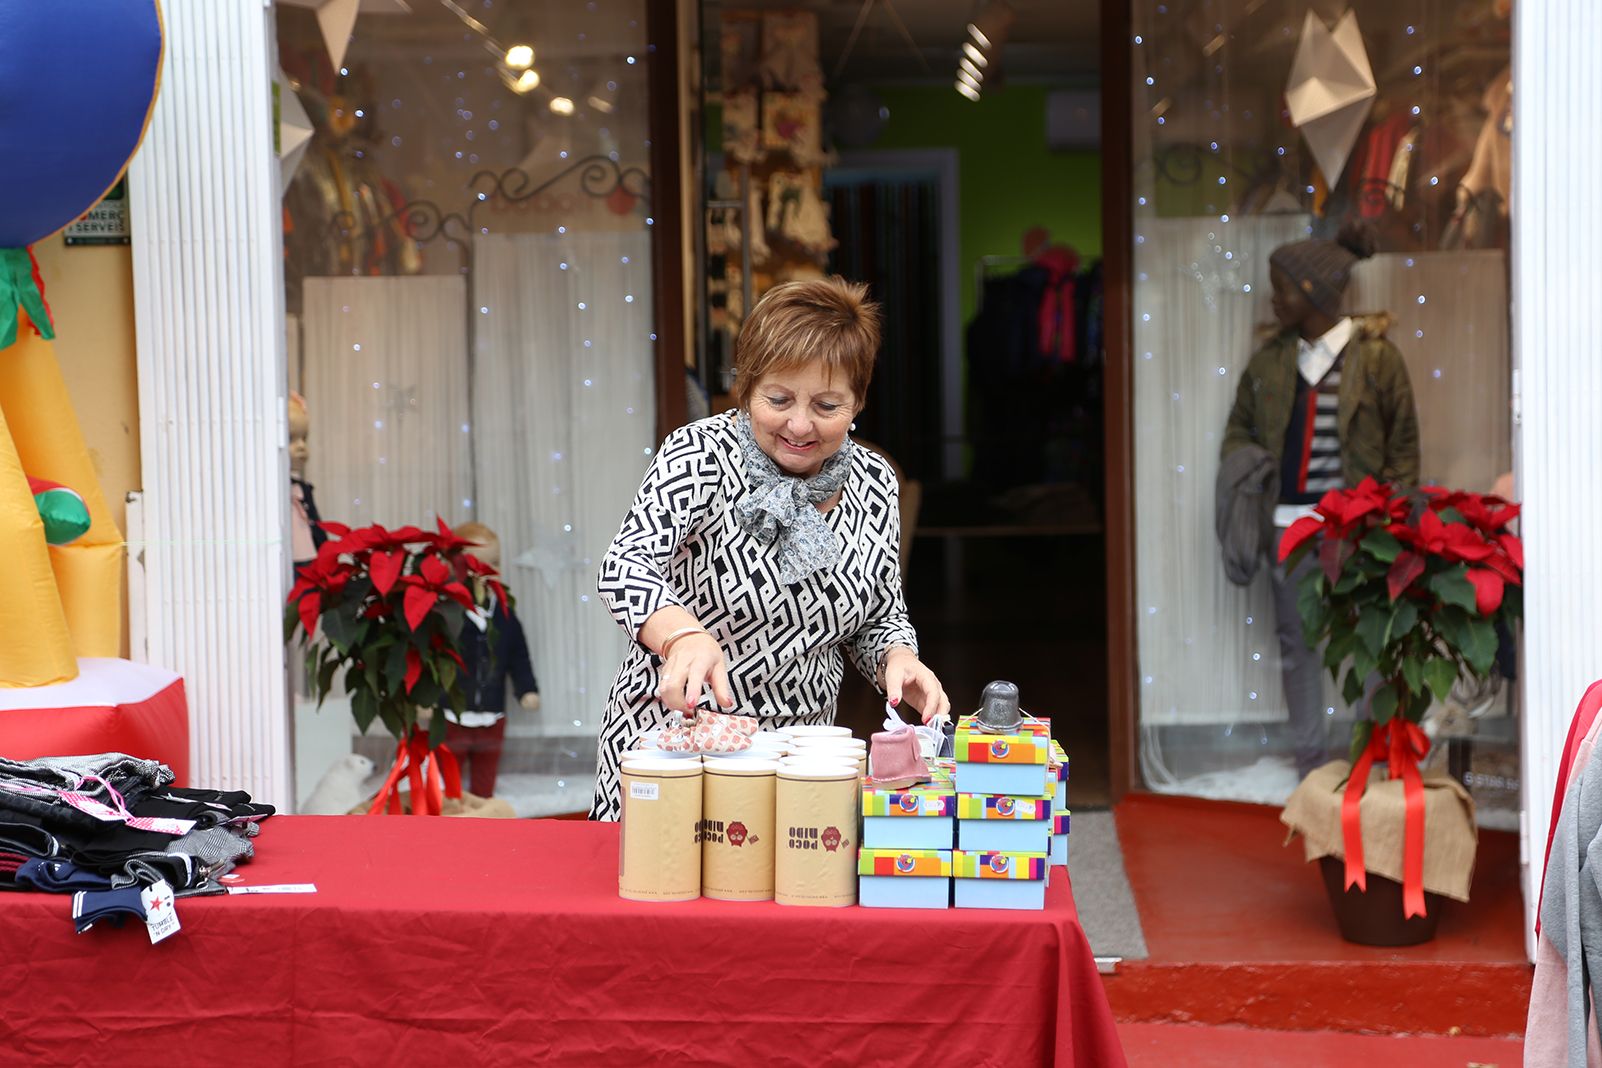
(465, 942)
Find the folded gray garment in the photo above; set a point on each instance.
(213, 846)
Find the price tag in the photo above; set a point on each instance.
(276, 888)
(161, 912)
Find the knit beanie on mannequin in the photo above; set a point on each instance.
(1320, 268)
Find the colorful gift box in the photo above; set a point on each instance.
(999, 880)
(904, 878)
(918, 817)
(1002, 823)
(1059, 838)
(1012, 764)
(1057, 767)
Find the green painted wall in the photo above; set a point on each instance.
(1009, 180)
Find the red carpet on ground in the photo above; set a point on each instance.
(1240, 933)
(1163, 1045)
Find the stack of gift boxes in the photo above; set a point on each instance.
(907, 839)
(981, 833)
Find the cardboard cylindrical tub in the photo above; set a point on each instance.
(737, 805)
(853, 749)
(819, 730)
(815, 853)
(659, 851)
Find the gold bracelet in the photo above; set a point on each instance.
(676, 635)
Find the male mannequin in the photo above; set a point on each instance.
(1329, 399)
(490, 660)
(305, 536)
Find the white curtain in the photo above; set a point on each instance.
(564, 400)
(1207, 648)
(1456, 346)
(386, 386)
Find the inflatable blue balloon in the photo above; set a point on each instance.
(76, 89)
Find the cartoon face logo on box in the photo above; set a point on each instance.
(1004, 806)
(999, 749)
(908, 803)
(736, 833)
(831, 838)
(905, 863)
(999, 863)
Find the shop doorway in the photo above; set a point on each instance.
(978, 226)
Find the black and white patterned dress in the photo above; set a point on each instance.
(680, 544)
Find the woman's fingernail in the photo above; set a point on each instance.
(894, 701)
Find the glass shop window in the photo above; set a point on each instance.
(468, 293)
(1256, 125)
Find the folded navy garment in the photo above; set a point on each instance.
(89, 907)
(60, 877)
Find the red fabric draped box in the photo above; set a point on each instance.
(113, 706)
(464, 942)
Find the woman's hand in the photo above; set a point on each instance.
(907, 676)
(694, 661)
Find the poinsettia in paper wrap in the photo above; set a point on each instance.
(1411, 587)
(387, 607)
(1314, 812)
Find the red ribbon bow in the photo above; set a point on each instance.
(1402, 745)
(412, 759)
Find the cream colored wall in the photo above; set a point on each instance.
(90, 291)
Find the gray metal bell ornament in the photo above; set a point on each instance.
(998, 708)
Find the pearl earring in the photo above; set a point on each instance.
(853, 428)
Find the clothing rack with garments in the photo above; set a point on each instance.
(1035, 353)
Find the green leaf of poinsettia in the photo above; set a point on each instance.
(1352, 689)
(1404, 618)
(1384, 704)
(1454, 588)
(1440, 673)
(1412, 674)
(1373, 627)
(1382, 545)
(1480, 649)
(1312, 607)
(364, 708)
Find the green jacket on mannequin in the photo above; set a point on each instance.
(1378, 423)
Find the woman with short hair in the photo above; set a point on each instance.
(763, 542)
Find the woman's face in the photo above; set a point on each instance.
(800, 417)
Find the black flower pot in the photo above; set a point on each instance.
(1374, 917)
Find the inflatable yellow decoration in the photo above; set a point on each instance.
(67, 132)
(40, 437)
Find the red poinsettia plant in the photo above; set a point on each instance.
(1410, 587)
(387, 607)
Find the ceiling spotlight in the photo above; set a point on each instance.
(967, 64)
(967, 90)
(974, 54)
(978, 35)
(528, 80)
(520, 57)
(599, 104)
(968, 79)
(561, 105)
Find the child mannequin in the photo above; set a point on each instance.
(479, 733)
(306, 537)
